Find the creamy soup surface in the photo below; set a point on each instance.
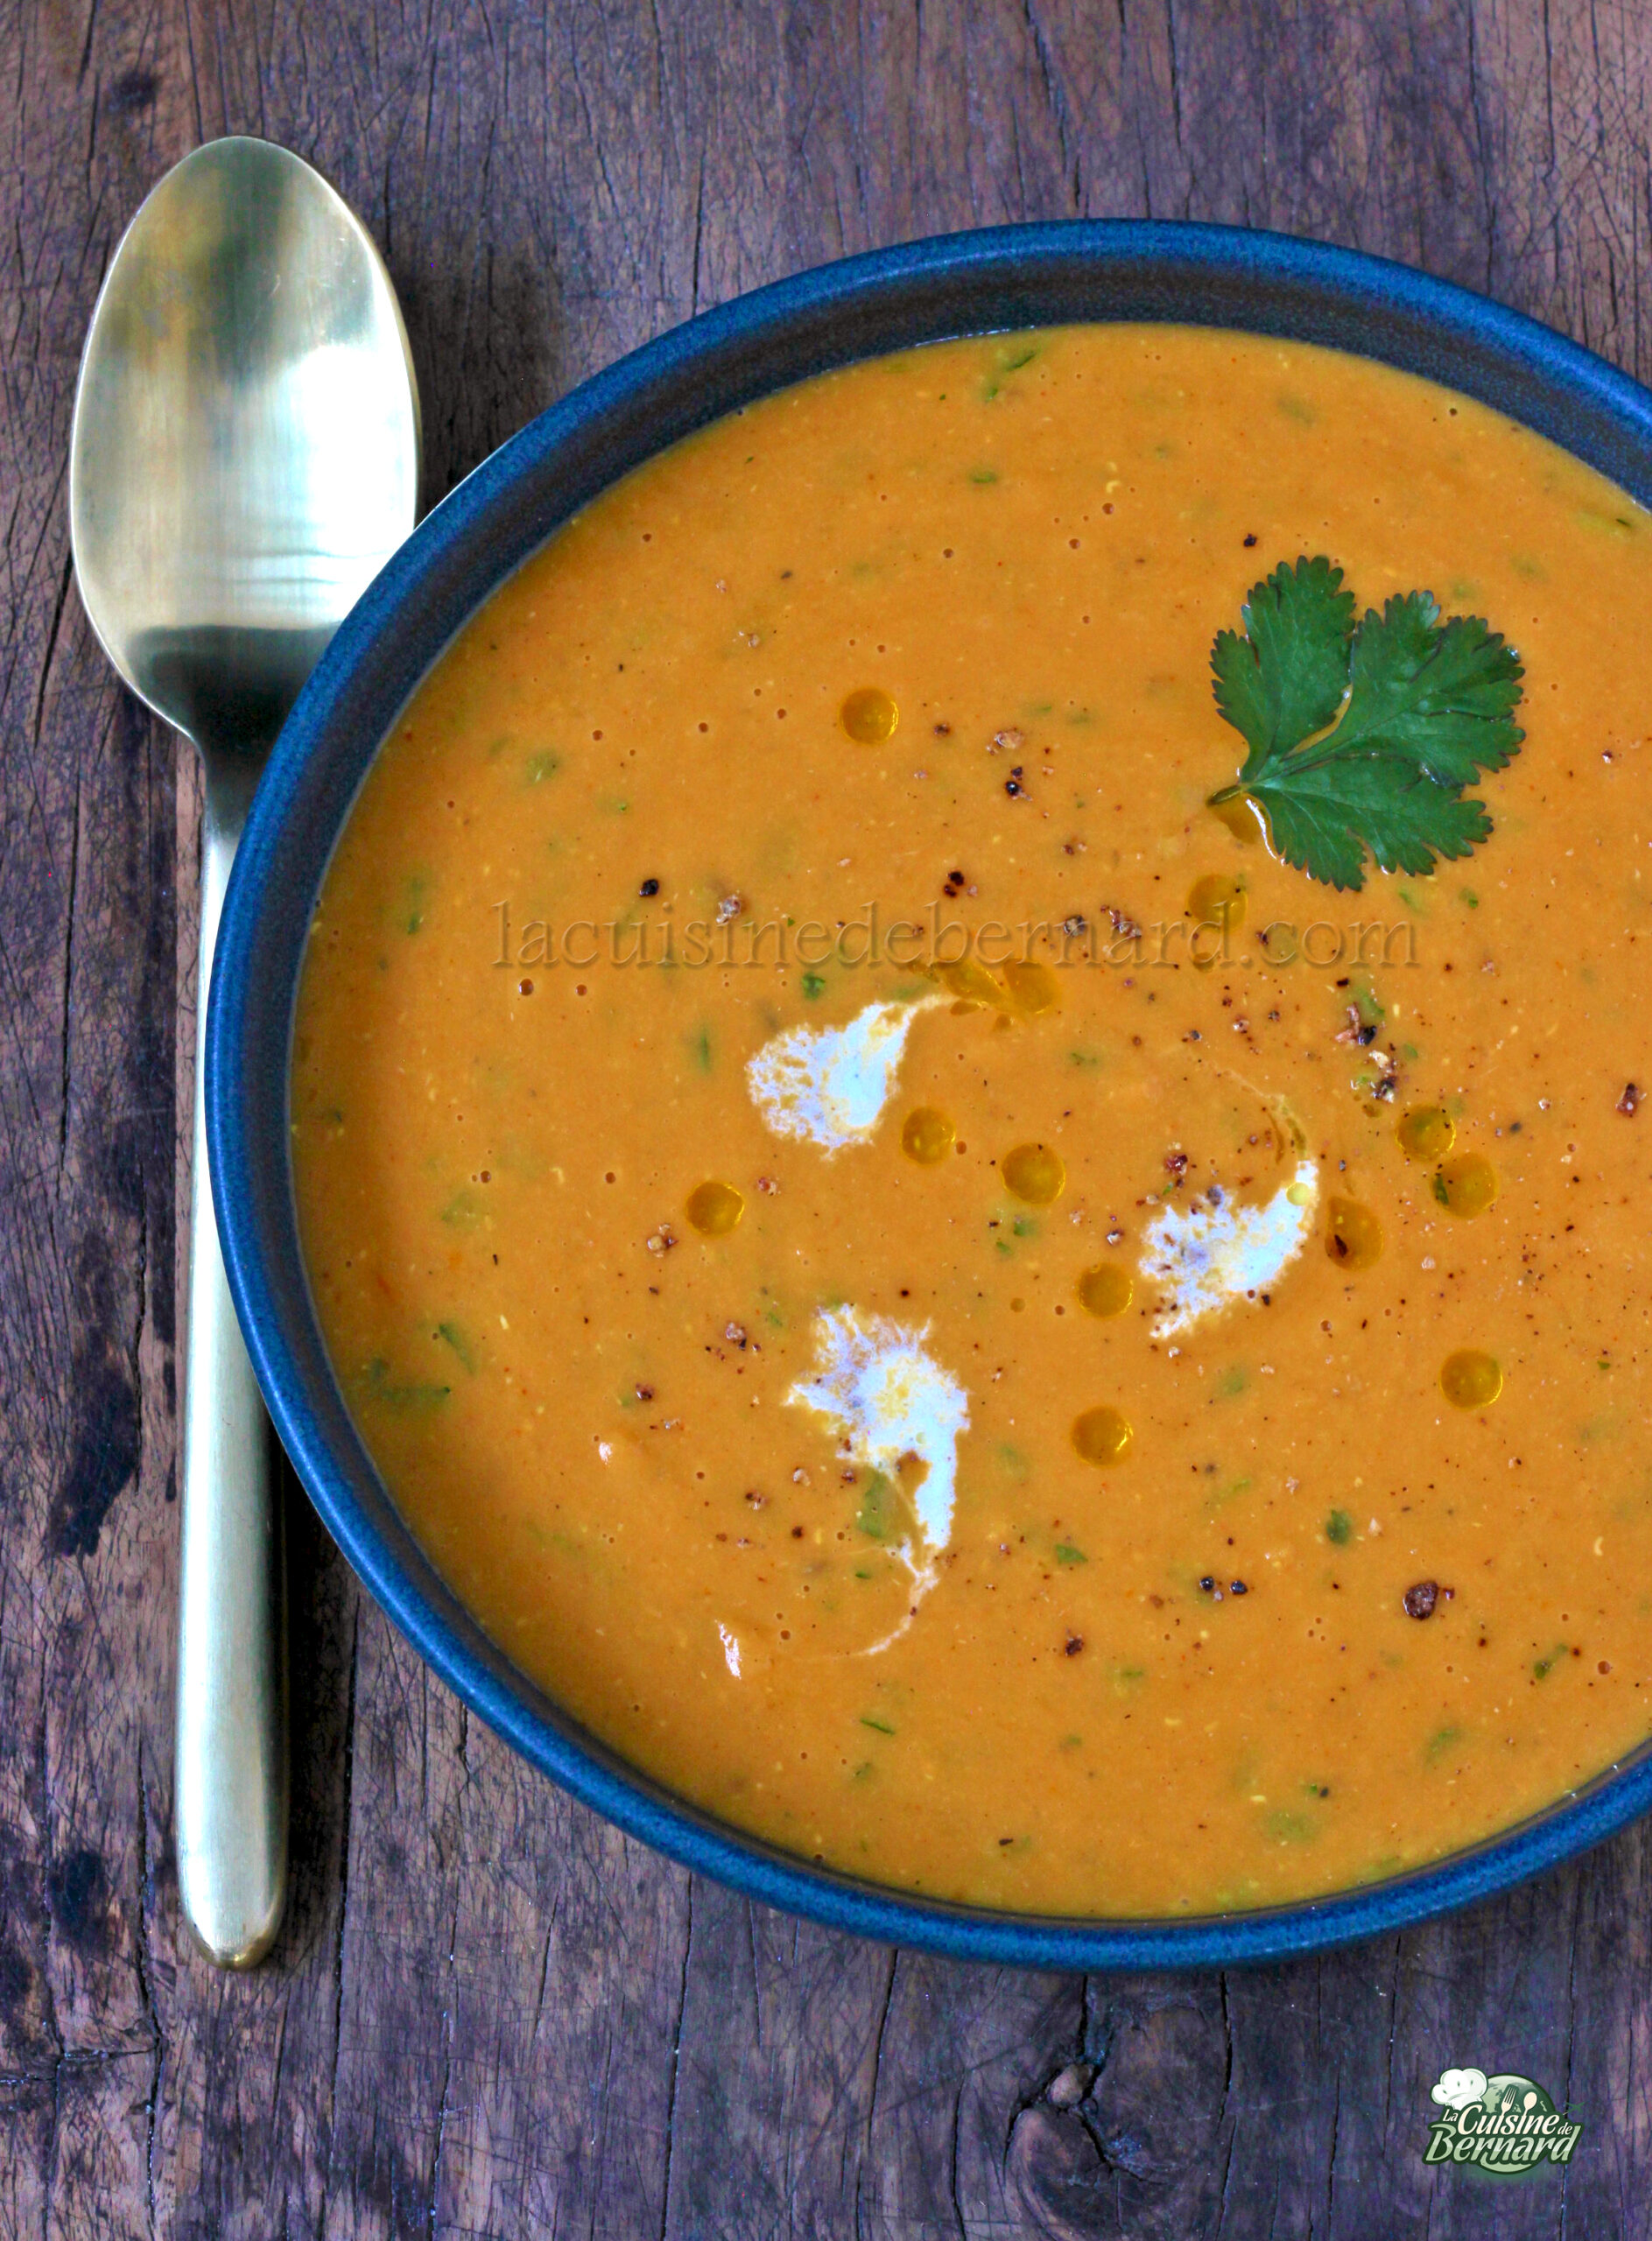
(946, 1300)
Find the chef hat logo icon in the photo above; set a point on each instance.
(1457, 2088)
(1499, 2123)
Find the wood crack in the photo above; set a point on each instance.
(676, 2058)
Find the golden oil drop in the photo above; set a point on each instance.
(1471, 1378)
(1034, 986)
(1467, 1185)
(1354, 1235)
(1105, 1290)
(1427, 1132)
(928, 1135)
(970, 982)
(870, 716)
(1217, 900)
(1102, 1436)
(1035, 1173)
(715, 1208)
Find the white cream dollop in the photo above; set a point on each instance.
(1211, 1254)
(830, 1085)
(889, 1401)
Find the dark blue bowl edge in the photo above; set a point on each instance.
(1262, 283)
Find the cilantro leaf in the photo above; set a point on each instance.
(1286, 677)
(1324, 821)
(1441, 696)
(1361, 739)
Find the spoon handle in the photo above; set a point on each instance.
(231, 1791)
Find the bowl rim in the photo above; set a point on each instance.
(1259, 282)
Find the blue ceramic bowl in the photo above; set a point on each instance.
(963, 284)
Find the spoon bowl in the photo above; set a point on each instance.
(244, 461)
(245, 450)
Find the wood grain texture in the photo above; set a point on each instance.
(489, 2014)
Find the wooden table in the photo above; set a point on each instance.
(488, 2014)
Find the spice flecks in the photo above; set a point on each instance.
(1213, 1254)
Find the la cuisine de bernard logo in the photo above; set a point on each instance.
(1504, 2125)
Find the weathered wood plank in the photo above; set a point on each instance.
(488, 2014)
(567, 2017)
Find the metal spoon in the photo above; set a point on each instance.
(244, 460)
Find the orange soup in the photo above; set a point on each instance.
(972, 1312)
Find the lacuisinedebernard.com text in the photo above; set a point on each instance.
(731, 940)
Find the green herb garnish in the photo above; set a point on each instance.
(1363, 737)
(875, 1515)
(383, 1385)
(456, 1338)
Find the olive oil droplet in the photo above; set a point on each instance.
(1354, 1235)
(969, 982)
(928, 1136)
(1471, 1380)
(1102, 1436)
(1242, 819)
(1217, 900)
(1106, 1290)
(715, 1208)
(870, 716)
(1427, 1132)
(1035, 1173)
(1467, 1185)
(1034, 986)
